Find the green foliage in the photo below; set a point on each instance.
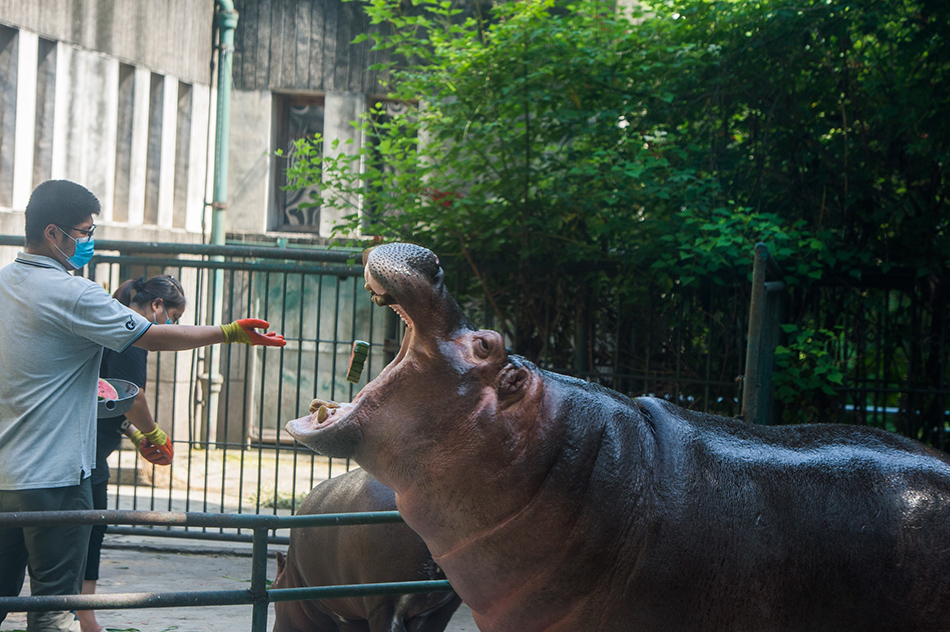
(719, 246)
(808, 367)
(571, 155)
(530, 155)
(827, 111)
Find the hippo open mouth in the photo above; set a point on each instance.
(408, 279)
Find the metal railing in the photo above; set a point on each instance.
(686, 344)
(257, 595)
(240, 459)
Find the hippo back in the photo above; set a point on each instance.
(360, 554)
(822, 526)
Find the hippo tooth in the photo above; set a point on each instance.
(382, 299)
(322, 414)
(317, 403)
(402, 314)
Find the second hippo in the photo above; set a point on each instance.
(327, 556)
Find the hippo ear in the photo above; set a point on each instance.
(512, 384)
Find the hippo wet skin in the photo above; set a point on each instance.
(555, 504)
(328, 556)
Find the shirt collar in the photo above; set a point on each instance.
(40, 261)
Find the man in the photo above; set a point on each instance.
(54, 328)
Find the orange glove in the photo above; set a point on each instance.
(243, 331)
(154, 446)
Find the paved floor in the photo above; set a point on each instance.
(146, 564)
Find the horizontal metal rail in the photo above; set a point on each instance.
(294, 268)
(257, 595)
(325, 255)
(193, 519)
(214, 536)
(122, 601)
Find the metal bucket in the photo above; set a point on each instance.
(115, 407)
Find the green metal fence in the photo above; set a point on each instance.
(687, 345)
(257, 594)
(232, 455)
(226, 414)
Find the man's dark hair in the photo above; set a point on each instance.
(57, 202)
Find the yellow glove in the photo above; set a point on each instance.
(154, 446)
(243, 331)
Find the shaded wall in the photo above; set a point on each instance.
(171, 36)
(293, 45)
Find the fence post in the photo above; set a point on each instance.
(259, 580)
(752, 381)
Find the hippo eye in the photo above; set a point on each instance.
(482, 348)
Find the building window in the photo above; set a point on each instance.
(301, 118)
(153, 161)
(182, 155)
(123, 143)
(45, 107)
(8, 84)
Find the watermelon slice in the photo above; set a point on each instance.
(107, 391)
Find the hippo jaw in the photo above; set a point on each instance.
(408, 279)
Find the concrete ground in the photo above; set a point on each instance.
(132, 564)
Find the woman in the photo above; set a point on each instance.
(162, 301)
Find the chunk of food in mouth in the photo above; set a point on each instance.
(357, 359)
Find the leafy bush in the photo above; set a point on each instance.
(572, 157)
(808, 367)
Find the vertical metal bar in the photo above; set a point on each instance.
(260, 417)
(678, 353)
(321, 282)
(336, 339)
(173, 406)
(259, 580)
(297, 403)
(136, 488)
(245, 422)
(865, 367)
(648, 345)
(707, 394)
(581, 331)
(940, 405)
(881, 360)
(750, 384)
(224, 397)
(280, 392)
(620, 382)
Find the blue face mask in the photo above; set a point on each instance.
(168, 320)
(85, 248)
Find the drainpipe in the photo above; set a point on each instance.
(225, 21)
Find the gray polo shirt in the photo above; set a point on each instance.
(53, 326)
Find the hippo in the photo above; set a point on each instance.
(327, 556)
(555, 504)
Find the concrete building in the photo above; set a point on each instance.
(295, 73)
(114, 95)
(120, 96)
